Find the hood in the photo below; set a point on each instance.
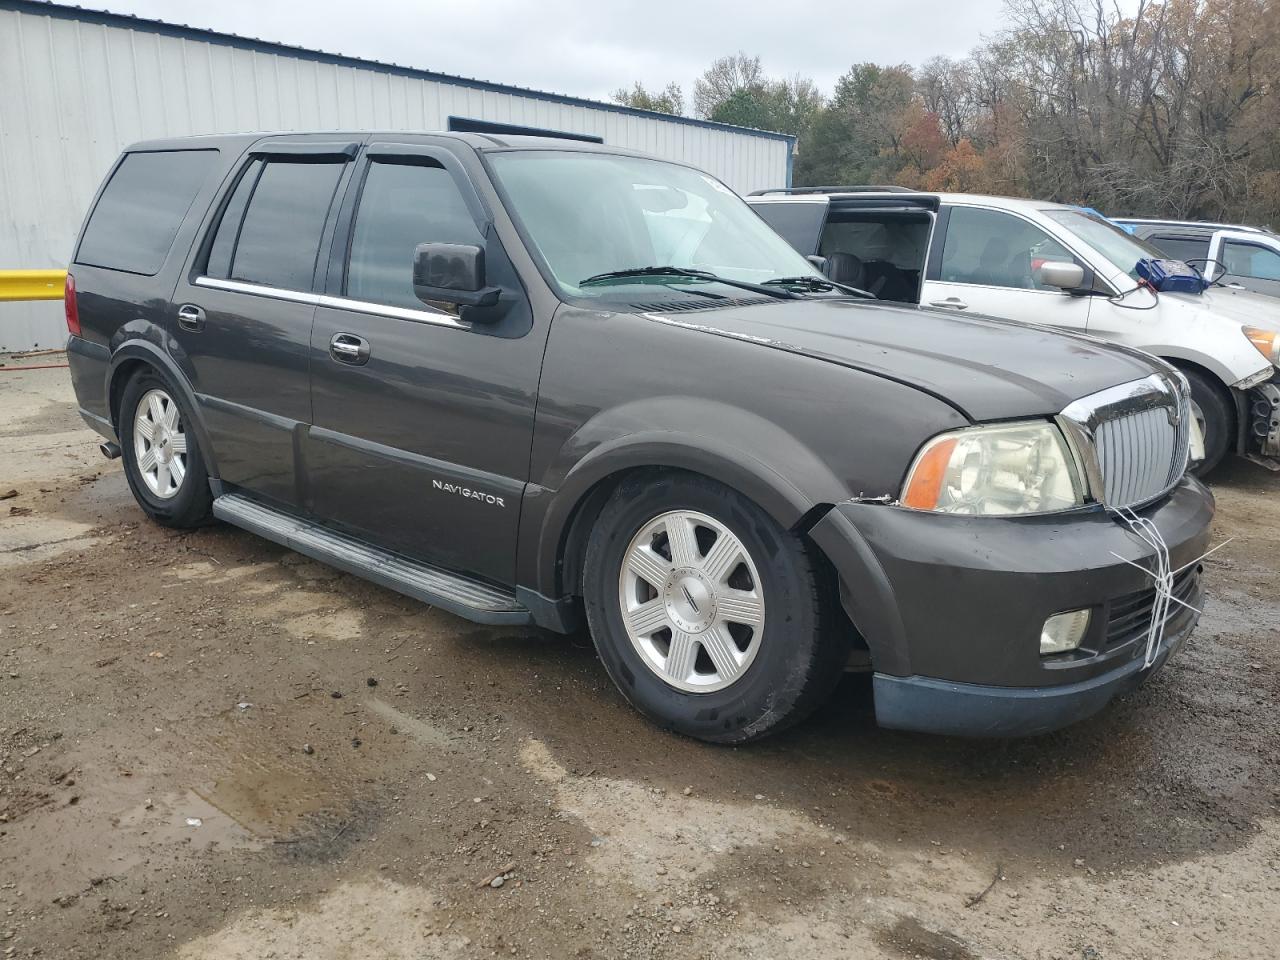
(988, 369)
(1242, 306)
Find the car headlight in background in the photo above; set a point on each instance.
(995, 470)
(1267, 342)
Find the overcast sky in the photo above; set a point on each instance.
(589, 49)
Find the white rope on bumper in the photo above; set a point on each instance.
(1162, 576)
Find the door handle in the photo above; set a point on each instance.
(952, 303)
(348, 348)
(191, 317)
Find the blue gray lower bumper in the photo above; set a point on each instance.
(929, 705)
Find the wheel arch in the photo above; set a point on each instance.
(139, 353)
(1234, 399)
(1208, 365)
(555, 532)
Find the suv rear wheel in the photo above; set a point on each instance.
(712, 620)
(161, 457)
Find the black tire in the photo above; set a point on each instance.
(192, 504)
(1219, 419)
(801, 654)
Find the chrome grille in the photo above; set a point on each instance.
(1133, 439)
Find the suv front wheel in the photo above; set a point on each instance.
(711, 619)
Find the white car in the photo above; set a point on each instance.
(1053, 264)
(1232, 255)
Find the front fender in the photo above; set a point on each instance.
(785, 477)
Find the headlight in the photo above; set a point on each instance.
(1267, 342)
(995, 471)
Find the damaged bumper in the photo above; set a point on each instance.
(952, 608)
(1262, 421)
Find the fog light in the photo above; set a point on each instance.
(1063, 632)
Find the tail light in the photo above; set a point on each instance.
(70, 305)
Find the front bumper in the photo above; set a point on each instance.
(1262, 419)
(952, 608)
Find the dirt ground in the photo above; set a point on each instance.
(214, 749)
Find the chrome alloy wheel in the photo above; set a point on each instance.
(160, 444)
(691, 601)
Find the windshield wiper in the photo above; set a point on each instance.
(821, 284)
(778, 293)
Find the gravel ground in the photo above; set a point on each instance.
(214, 749)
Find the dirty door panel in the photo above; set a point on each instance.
(421, 433)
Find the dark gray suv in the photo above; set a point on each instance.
(527, 380)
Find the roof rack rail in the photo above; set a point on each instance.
(474, 125)
(856, 188)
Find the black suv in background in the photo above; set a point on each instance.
(523, 379)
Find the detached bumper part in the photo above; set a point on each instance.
(953, 608)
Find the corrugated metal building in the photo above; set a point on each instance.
(77, 85)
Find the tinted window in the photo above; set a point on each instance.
(401, 206)
(1183, 248)
(224, 241)
(139, 213)
(997, 250)
(1250, 260)
(280, 234)
(798, 221)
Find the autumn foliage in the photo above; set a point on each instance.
(1167, 109)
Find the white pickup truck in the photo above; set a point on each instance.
(1051, 264)
(1232, 255)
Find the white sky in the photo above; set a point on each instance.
(589, 49)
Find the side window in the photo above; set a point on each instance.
(997, 249)
(799, 222)
(1183, 248)
(224, 241)
(403, 205)
(1250, 260)
(139, 213)
(271, 228)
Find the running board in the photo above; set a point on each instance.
(440, 588)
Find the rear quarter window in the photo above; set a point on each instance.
(133, 225)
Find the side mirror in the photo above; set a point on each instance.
(452, 273)
(819, 262)
(1065, 276)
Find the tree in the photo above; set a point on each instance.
(1155, 107)
(725, 78)
(786, 106)
(670, 99)
(858, 137)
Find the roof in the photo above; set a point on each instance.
(478, 141)
(182, 31)
(1007, 203)
(1198, 224)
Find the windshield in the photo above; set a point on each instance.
(1120, 247)
(588, 214)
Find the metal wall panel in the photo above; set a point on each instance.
(77, 87)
